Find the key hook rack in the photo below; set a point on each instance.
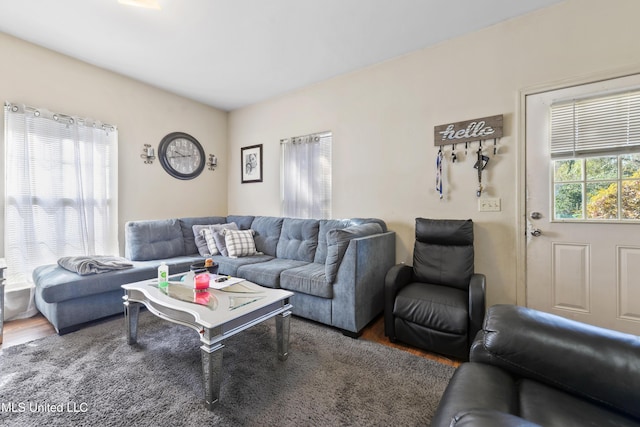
(467, 132)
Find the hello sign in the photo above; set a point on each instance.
(469, 130)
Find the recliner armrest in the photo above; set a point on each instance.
(581, 359)
(397, 277)
(477, 306)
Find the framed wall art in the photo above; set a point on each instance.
(251, 167)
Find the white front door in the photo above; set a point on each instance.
(582, 268)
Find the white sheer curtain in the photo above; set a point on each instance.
(60, 194)
(306, 176)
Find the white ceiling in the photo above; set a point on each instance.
(233, 53)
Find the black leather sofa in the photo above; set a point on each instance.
(530, 368)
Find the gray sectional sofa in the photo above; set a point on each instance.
(335, 268)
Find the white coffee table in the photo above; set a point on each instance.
(214, 314)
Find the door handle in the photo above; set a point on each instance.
(536, 232)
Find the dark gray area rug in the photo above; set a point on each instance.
(94, 378)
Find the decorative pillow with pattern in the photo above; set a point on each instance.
(207, 234)
(240, 243)
(201, 243)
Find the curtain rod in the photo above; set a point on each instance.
(59, 117)
(294, 139)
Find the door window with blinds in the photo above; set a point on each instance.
(595, 150)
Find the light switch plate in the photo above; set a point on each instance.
(489, 204)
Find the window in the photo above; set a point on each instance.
(595, 150)
(597, 188)
(306, 176)
(61, 189)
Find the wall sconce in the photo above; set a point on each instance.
(213, 162)
(148, 154)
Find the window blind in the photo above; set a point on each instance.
(606, 124)
(306, 176)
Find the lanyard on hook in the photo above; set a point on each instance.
(439, 177)
(481, 163)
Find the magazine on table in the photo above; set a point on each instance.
(221, 281)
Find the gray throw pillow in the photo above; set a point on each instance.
(221, 243)
(201, 242)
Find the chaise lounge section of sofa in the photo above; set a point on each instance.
(335, 268)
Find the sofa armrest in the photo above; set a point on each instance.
(477, 305)
(358, 292)
(584, 360)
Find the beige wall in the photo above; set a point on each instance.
(143, 114)
(382, 119)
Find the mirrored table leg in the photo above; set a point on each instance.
(131, 312)
(212, 373)
(282, 334)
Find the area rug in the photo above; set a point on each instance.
(94, 378)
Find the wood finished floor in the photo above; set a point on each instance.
(21, 331)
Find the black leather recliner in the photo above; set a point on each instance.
(438, 304)
(530, 368)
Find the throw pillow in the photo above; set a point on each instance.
(211, 243)
(338, 241)
(239, 243)
(200, 240)
(221, 244)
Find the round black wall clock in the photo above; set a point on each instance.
(181, 155)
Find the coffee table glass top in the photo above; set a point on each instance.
(209, 307)
(239, 294)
